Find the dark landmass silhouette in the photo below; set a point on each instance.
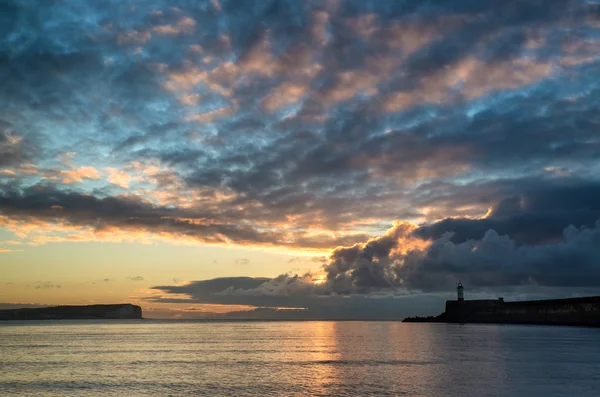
(570, 311)
(118, 311)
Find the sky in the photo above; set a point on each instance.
(298, 159)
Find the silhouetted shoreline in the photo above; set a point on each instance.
(570, 311)
(117, 311)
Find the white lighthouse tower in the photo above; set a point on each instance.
(460, 290)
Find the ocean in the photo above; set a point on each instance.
(186, 358)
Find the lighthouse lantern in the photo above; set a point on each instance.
(460, 290)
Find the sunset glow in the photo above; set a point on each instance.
(212, 157)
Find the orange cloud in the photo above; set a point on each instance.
(120, 178)
(348, 85)
(184, 25)
(224, 78)
(3, 250)
(190, 99)
(480, 78)
(469, 78)
(10, 242)
(37, 232)
(212, 115)
(79, 174)
(28, 169)
(259, 60)
(284, 95)
(219, 80)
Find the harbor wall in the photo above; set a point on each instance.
(571, 311)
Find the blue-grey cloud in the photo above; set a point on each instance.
(253, 292)
(537, 215)
(400, 261)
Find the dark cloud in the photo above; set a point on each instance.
(14, 149)
(253, 292)
(538, 215)
(52, 205)
(45, 285)
(490, 260)
(209, 288)
(496, 260)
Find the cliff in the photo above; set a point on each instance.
(571, 311)
(121, 311)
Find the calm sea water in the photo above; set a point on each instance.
(296, 359)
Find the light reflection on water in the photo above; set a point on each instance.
(296, 358)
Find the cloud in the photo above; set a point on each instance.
(4, 250)
(284, 95)
(45, 285)
(403, 261)
(133, 37)
(119, 177)
(248, 291)
(136, 278)
(14, 149)
(306, 125)
(538, 214)
(184, 25)
(42, 211)
(79, 174)
(496, 260)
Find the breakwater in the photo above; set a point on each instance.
(120, 311)
(571, 311)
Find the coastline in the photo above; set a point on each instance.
(120, 311)
(580, 312)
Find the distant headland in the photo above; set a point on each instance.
(120, 311)
(570, 311)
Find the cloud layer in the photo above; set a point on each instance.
(312, 125)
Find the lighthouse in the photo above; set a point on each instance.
(460, 290)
